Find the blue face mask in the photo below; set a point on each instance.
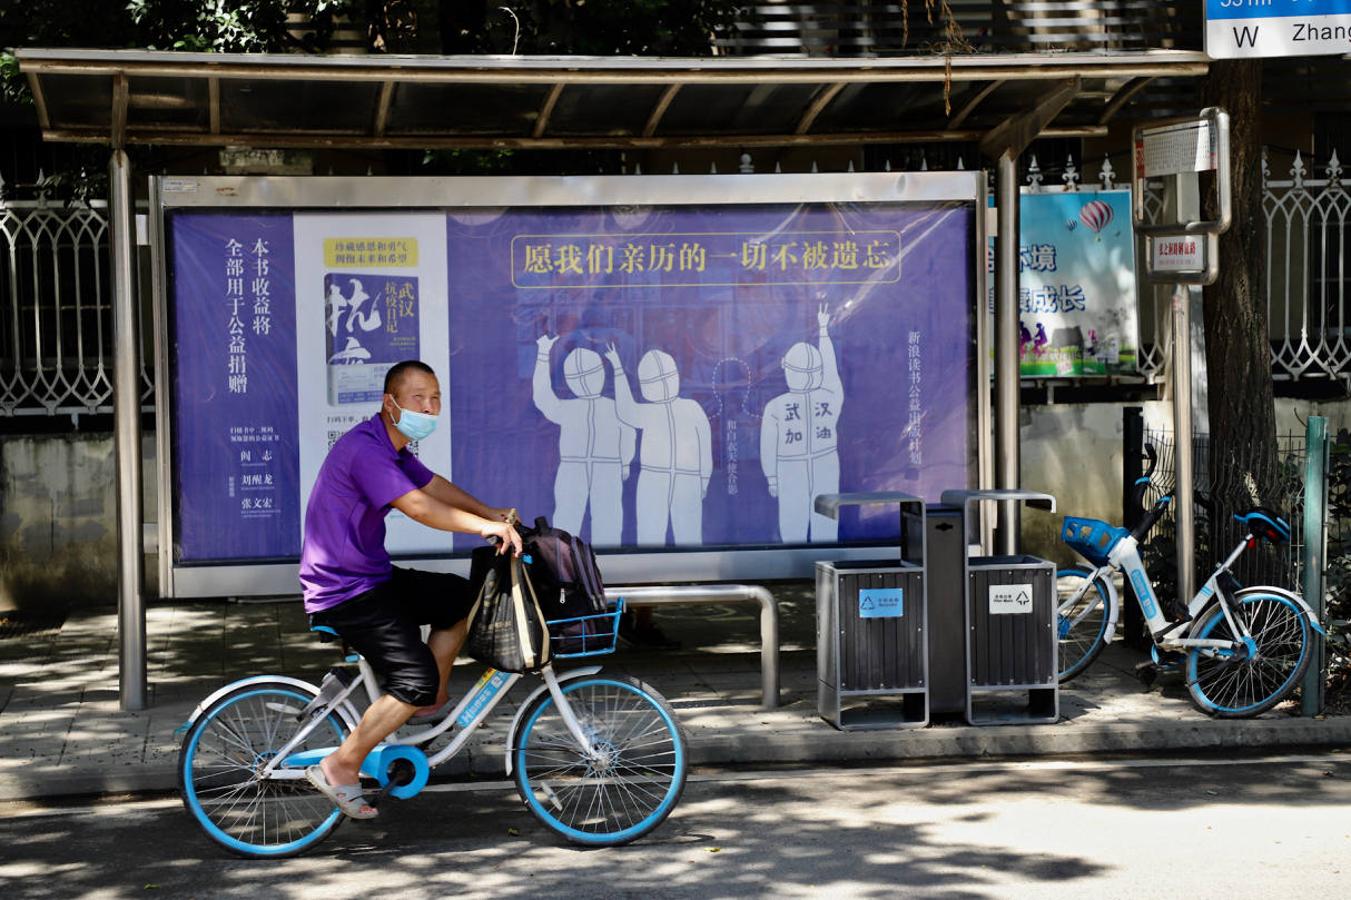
(415, 426)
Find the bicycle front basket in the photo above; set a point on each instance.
(1090, 538)
(590, 635)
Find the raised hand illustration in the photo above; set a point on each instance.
(595, 449)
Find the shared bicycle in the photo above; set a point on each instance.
(1243, 649)
(598, 759)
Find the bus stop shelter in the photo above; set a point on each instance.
(1000, 102)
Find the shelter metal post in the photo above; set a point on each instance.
(1007, 349)
(127, 430)
(1314, 555)
(1188, 209)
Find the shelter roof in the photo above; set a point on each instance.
(284, 100)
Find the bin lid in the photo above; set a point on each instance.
(829, 504)
(1034, 499)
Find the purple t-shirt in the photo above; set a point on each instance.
(344, 551)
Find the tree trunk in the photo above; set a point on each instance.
(1243, 466)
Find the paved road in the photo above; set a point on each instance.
(1137, 828)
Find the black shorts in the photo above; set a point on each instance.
(384, 625)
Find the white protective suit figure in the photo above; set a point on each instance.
(676, 459)
(798, 437)
(595, 449)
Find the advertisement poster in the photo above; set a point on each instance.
(236, 460)
(370, 292)
(1076, 287)
(645, 377)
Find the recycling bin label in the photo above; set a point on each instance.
(881, 603)
(1010, 599)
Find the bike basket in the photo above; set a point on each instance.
(1091, 539)
(586, 635)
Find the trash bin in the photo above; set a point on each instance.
(936, 538)
(1012, 671)
(871, 636)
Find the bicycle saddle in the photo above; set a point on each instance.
(1266, 524)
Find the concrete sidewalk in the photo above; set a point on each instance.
(61, 732)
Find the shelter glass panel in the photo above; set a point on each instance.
(604, 109)
(168, 101)
(319, 106)
(886, 106)
(465, 108)
(78, 101)
(739, 109)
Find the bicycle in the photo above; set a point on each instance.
(1244, 649)
(599, 760)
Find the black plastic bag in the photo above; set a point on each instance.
(506, 626)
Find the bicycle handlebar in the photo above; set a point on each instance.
(1154, 513)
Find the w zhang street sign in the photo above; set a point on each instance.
(1248, 29)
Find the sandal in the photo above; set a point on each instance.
(348, 797)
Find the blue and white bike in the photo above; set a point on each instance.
(1243, 649)
(598, 759)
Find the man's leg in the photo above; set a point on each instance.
(445, 644)
(383, 718)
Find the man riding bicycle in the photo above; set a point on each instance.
(351, 585)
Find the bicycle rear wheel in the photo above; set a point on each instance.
(1255, 675)
(1082, 626)
(622, 790)
(222, 754)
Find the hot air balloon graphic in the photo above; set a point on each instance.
(1071, 224)
(1096, 214)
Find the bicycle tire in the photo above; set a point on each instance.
(1080, 645)
(255, 819)
(643, 761)
(1238, 685)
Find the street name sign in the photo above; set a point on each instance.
(1250, 29)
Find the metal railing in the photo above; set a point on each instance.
(1308, 282)
(56, 340)
(1219, 495)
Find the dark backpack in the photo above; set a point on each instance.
(564, 572)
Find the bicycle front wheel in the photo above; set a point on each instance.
(1082, 624)
(625, 785)
(1256, 674)
(221, 760)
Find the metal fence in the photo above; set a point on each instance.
(1221, 493)
(1308, 270)
(56, 340)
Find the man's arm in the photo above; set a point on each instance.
(426, 509)
(453, 495)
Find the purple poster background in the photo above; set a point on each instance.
(236, 459)
(902, 337)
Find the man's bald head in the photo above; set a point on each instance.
(395, 376)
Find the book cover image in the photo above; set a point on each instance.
(372, 323)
